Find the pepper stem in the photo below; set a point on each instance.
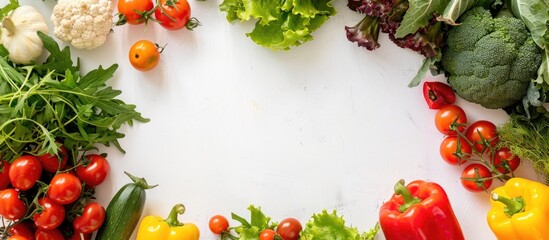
(512, 205)
(409, 200)
(172, 218)
(8, 24)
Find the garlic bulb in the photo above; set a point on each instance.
(19, 34)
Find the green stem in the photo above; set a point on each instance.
(512, 205)
(409, 199)
(140, 181)
(172, 218)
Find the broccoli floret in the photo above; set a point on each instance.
(490, 61)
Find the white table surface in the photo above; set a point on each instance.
(327, 125)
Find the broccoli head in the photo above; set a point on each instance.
(490, 61)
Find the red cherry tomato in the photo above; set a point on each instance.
(52, 163)
(95, 172)
(52, 215)
(451, 153)
(53, 234)
(505, 160)
(11, 207)
(135, 11)
(471, 175)
(80, 236)
(267, 234)
(24, 172)
(438, 94)
(91, 219)
(289, 229)
(4, 174)
(218, 224)
(19, 237)
(22, 229)
(65, 188)
(450, 115)
(482, 134)
(173, 16)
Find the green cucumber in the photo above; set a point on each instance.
(124, 210)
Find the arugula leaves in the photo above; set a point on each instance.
(46, 104)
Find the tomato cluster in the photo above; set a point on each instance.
(45, 197)
(287, 229)
(473, 144)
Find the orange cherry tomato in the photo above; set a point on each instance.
(145, 55)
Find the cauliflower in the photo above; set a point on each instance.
(490, 61)
(84, 24)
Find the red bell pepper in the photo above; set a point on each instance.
(420, 210)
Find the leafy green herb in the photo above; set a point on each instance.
(280, 24)
(330, 226)
(418, 15)
(8, 8)
(45, 104)
(258, 222)
(528, 139)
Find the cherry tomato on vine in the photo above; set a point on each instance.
(450, 115)
(11, 207)
(65, 188)
(18, 237)
(144, 55)
(52, 215)
(505, 160)
(24, 172)
(4, 174)
(91, 218)
(451, 153)
(21, 229)
(218, 224)
(471, 178)
(175, 15)
(95, 172)
(267, 234)
(438, 94)
(51, 163)
(53, 234)
(482, 134)
(289, 229)
(135, 11)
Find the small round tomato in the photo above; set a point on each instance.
(18, 237)
(95, 172)
(289, 229)
(145, 55)
(91, 218)
(21, 229)
(51, 216)
(473, 178)
(65, 188)
(482, 134)
(11, 207)
(218, 224)
(505, 161)
(53, 234)
(4, 174)
(267, 234)
(24, 172)
(173, 15)
(52, 163)
(135, 11)
(455, 151)
(79, 236)
(448, 116)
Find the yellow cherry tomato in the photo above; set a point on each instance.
(145, 55)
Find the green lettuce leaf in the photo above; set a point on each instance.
(250, 230)
(535, 15)
(330, 226)
(454, 9)
(419, 14)
(280, 24)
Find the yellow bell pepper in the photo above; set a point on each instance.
(156, 228)
(520, 210)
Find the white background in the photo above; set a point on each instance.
(327, 125)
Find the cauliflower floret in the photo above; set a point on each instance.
(84, 24)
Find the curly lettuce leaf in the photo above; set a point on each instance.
(258, 222)
(280, 24)
(418, 15)
(330, 226)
